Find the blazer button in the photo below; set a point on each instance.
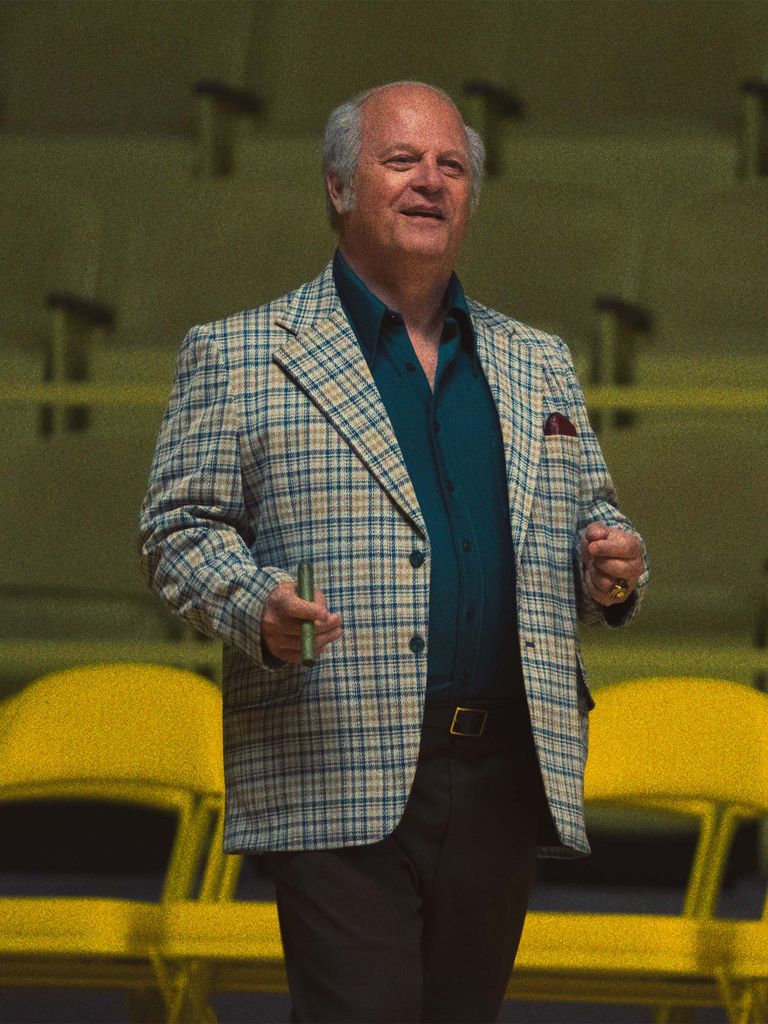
(416, 559)
(416, 643)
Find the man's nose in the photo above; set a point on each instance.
(428, 177)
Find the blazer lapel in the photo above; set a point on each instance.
(325, 361)
(516, 380)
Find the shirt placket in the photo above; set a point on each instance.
(442, 424)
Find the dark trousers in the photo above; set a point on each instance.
(425, 924)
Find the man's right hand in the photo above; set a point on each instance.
(281, 621)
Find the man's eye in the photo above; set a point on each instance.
(401, 159)
(454, 165)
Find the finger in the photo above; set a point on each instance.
(606, 549)
(320, 599)
(619, 544)
(292, 606)
(619, 568)
(596, 531)
(290, 628)
(600, 591)
(329, 638)
(326, 630)
(597, 594)
(289, 648)
(602, 581)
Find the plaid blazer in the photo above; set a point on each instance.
(276, 447)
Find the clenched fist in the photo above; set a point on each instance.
(281, 622)
(610, 554)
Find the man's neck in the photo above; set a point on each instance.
(416, 292)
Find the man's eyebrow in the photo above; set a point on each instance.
(398, 147)
(412, 148)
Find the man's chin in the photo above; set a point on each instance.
(433, 249)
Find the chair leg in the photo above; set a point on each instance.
(185, 989)
(146, 1006)
(197, 991)
(173, 985)
(760, 994)
(739, 1001)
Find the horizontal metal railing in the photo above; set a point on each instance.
(604, 396)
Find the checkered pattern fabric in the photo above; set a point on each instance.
(276, 448)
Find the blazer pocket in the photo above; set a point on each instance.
(563, 445)
(247, 686)
(559, 481)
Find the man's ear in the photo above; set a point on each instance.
(336, 192)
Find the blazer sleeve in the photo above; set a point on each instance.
(598, 504)
(193, 522)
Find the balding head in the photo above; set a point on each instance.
(406, 196)
(344, 132)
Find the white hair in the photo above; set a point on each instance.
(343, 136)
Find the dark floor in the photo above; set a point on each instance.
(67, 1007)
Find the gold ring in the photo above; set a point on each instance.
(620, 589)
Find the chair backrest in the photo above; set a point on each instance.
(84, 492)
(706, 481)
(50, 237)
(704, 271)
(116, 67)
(679, 739)
(107, 727)
(543, 251)
(186, 253)
(686, 746)
(142, 735)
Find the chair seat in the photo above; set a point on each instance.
(747, 950)
(39, 926)
(622, 958)
(239, 942)
(226, 931)
(577, 956)
(620, 943)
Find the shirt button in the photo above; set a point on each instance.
(417, 559)
(470, 613)
(437, 426)
(467, 545)
(451, 486)
(416, 643)
(410, 367)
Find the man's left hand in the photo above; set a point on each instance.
(610, 554)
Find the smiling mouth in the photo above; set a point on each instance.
(423, 214)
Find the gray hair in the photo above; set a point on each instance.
(341, 148)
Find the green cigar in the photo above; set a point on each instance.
(305, 588)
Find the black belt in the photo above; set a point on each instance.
(476, 720)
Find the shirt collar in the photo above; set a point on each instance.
(366, 312)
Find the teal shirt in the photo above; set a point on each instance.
(453, 449)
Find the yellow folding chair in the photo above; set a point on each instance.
(141, 735)
(684, 746)
(743, 976)
(219, 945)
(688, 747)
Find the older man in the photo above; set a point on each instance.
(433, 460)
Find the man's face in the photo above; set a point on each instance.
(412, 185)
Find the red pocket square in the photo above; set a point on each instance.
(559, 424)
